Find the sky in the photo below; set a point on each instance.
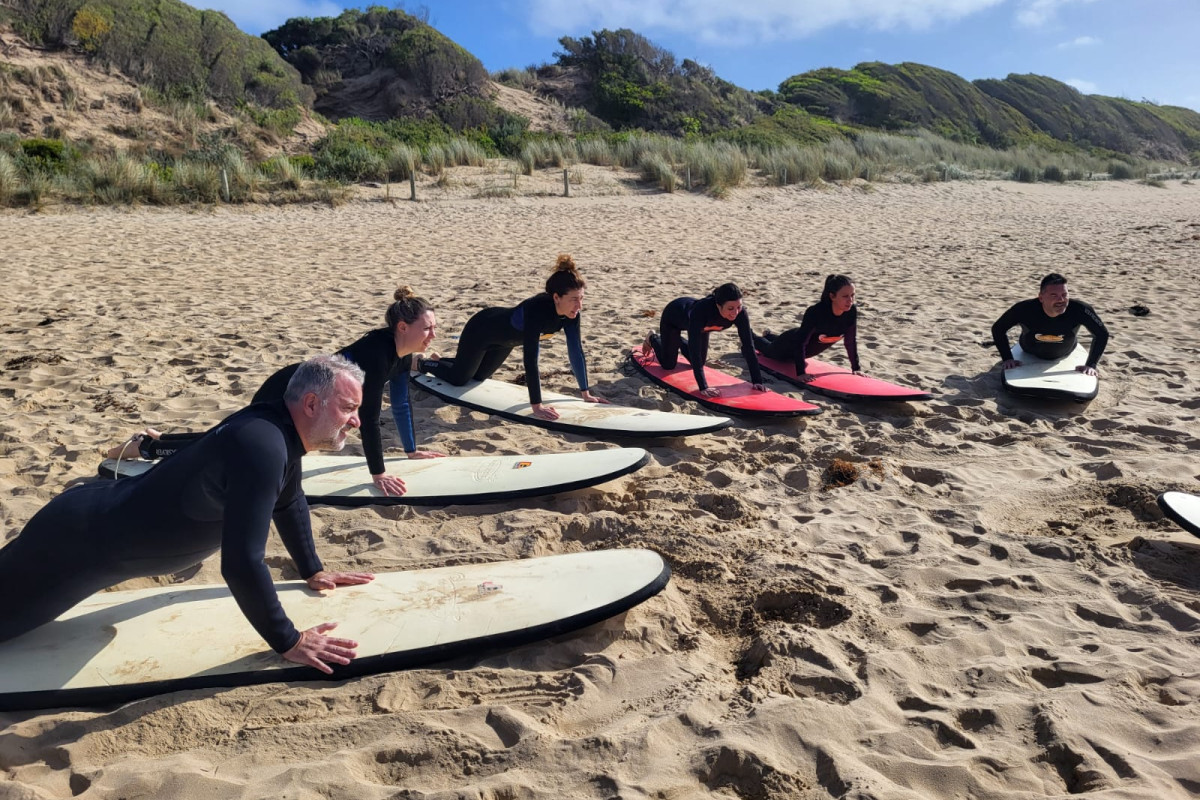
(1136, 49)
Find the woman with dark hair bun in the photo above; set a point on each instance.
(830, 320)
(715, 312)
(493, 333)
(385, 355)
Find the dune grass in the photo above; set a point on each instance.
(216, 169)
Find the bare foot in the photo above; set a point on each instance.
(129, 449)
(647, 348)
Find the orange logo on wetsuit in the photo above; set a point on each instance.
(825, 339)
(1048, 337)
(711, 328)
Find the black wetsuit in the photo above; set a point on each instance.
(819, 330)
(375, 354)
(699, 318)
(1050, 337)
(493, 333)
(220, 493)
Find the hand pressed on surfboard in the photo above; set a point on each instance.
(390, 485)
(1010, 364)
(544, 412)
(1086, 370)
(315, 648)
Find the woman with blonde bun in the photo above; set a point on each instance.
(493, 333)
(385, 355)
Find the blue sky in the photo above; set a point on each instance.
(1138, 49)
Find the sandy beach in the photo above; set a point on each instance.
(995, 608)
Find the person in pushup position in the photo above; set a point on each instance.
(1049, 323)
(832, 319)
(490, 336)
(698, 318)
(385, 356)
(218, 494)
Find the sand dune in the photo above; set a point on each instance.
(995, 608)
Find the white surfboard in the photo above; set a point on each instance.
(1183, 508)
(116, 646)
(346, 480)
(1053, 380)
(576, 415)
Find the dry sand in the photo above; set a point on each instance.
(994, 609)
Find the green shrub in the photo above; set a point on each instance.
(349, 162)
(91, 25)
(279, 121)
(1054, 173)
(1120, 171)
(304, 163)
(1025, 173)
(48, 155)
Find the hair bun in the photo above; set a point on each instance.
(564, 263)
(404, 292)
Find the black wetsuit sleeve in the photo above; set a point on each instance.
(255, 481)
(1089, 319)
(742, 321)
(375, 365)
(1008, 320)
(539, 316)
(808, 329)
(531, 345)
(851, 340)
(698, 340)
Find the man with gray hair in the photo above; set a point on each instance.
(220, 493)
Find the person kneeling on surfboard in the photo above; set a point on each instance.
(832, 319)
(220, 493)
(715, 312)
(1049, 323)
(386, 357)
(493, 333)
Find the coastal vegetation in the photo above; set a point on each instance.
(214, 115)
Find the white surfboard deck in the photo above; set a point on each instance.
(576, 415)
(116, 646)
(1053, 380)
(1183, 508)
(346, 480)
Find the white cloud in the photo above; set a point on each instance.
(739, 22)
(1079, 41)
(1087, 87)
(265, 15)
(1036, 13)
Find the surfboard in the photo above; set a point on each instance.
(117, 646)
(1183, 508)
(737, 396)
(839, 382)
(575, 414)
(1052, 380)
(346, 481)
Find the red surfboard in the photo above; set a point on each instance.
(834, 381)
(737, 396)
